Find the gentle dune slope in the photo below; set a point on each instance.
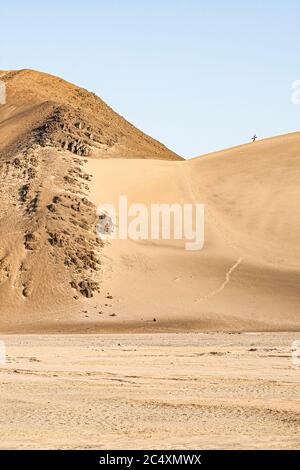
(255, 191)
(247, 276)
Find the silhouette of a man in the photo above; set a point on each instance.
(254, 138)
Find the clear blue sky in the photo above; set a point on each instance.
(197, 75)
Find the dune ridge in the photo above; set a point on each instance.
(47, 109)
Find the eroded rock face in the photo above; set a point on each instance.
(54, 223)
(61, 128)
(74, 218)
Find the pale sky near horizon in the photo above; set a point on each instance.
(197, 75)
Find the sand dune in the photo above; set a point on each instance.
(247, 274)
(57, 164)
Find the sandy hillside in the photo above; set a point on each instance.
(50, 257)
(45, 109)
(56, 275)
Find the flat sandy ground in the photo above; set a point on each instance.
(246, 277)
(203, 391)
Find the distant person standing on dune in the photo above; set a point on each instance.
(254, 138)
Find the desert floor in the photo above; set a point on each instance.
(193, 390)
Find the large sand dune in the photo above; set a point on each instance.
(55, 275)
(247, 275)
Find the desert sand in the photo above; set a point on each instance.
(63, 152)
(247, 275)
(216, 370)
(170, 391)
